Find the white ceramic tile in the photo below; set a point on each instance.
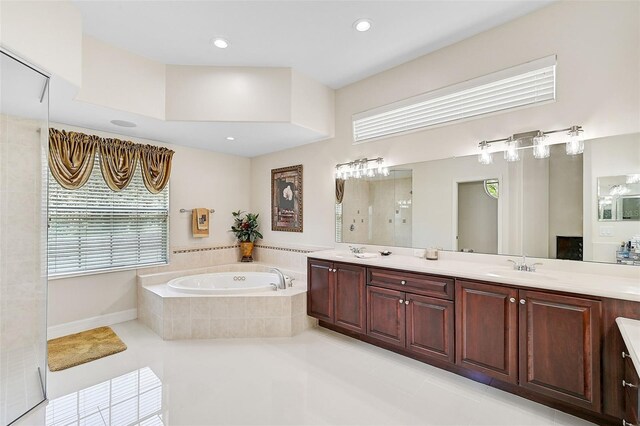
(318, 377)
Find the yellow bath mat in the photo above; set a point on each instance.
(75, 349)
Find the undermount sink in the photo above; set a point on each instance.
(512, 273)
(346, 254)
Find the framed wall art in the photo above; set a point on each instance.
(286, 199)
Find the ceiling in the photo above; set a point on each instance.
(251, 138)
(313, 37)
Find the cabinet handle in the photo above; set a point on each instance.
(522, 301)
(626, 384)
(626, 423)
(400, 301)
(403, 282)
(625, 355)
(406, 302)
(512, 299)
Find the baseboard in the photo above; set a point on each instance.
(89, 323)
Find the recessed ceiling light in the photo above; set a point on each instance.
(220, 43)
(362, 25)
(123, 123)
(231, 138)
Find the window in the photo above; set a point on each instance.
(95, 229)
(523, 85)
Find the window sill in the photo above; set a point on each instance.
(103, 271)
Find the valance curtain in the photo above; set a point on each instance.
(71, 157)
(339, 190)
(118, 161)
(156, 167)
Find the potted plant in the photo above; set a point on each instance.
(245, 228)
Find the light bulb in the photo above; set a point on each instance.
(485, 156)
(540, 147)
(511, 154)
(575, 145)
(385, 171)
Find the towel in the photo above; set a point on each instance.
(203, 219)
(200, 222)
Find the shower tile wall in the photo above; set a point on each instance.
(22, 286)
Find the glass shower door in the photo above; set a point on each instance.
(24, 108)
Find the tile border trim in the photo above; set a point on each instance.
(199, 249)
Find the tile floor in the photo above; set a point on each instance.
(318, 377)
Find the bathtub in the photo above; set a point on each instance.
(223, 301)
(226, 283)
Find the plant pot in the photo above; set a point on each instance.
(246, 249)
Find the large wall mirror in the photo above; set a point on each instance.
(576, 207)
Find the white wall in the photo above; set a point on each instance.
(198, 179)
(611, 156)
(121, 80)
(37, 30)
(598, 50)
(228, 93)
(312, 104)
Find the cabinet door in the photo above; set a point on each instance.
(430, 324)
(320, 290)
(350, 298)
(386, 315)
(560, 347)
(487, 329)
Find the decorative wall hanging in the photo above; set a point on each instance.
(286, 199)
(72, 154)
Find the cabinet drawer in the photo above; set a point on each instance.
(427, 285)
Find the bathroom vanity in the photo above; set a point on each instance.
(550, 337)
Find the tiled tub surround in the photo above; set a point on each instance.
(174, 315)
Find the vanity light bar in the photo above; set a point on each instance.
(539, 144)
(362, 168)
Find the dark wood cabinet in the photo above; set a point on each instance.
(336, 294)
(430, 327)
(487, 329)
(350, 298)
(630, 384)
(320, 290)
(552, 347)
(386, 315)
(422, 325)
(560, 347)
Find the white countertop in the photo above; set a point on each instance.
(615, 287)
(630, 330)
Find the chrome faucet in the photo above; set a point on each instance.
(282, 284)
(522, 266)
(355, 250)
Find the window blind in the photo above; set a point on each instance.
(95, 229)
(524, 85)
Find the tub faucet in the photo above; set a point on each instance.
(282, 284)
